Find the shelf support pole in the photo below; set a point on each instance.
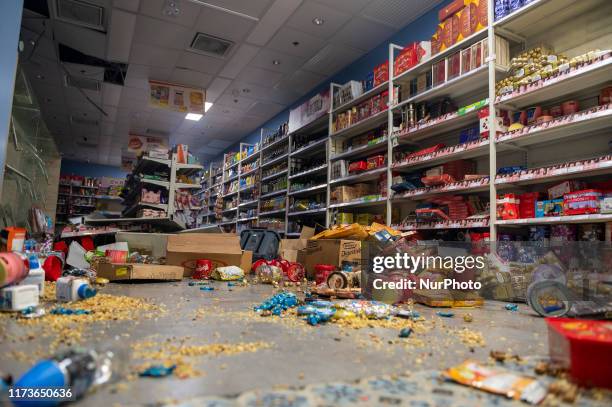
(492, 125)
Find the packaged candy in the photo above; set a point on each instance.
(496, 381)
(228, 273)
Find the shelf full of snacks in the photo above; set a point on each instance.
(161, 191)
(307, 177)
(248, 186)
(77, 196)
(274, 160)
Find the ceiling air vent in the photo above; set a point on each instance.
(210, 45)
(82, 121)
(83, 83)
(81, 13)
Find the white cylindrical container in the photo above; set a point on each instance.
(36, 275)
(71, 288)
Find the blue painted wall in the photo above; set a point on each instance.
(10, 24)
(419, 30)
(70, 167)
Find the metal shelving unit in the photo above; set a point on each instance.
(541, 21)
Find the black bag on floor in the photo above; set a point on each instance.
(263, 243)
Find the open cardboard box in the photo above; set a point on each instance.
(289, 248)
(329, 251)
(133, 271)
(222, 249)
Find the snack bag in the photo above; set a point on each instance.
(228, 273)
(509, 384)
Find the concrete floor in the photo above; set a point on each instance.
(300, 354)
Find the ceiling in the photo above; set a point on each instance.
(246, 87)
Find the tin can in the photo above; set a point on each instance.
(203, 269)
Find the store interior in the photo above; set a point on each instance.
(196, 195)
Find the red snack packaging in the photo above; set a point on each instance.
(203, 269)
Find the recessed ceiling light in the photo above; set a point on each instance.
(276, 61)
(193, 116)
(318, 21)
(295, 43)
(207, 105)
(40, 77)
(171, 8)
(246, 90)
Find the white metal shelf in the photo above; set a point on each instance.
(361, 177)
(576, 171)
(274, 212)
(309, 172)
(247, 219)
(274, 193)
(590, 218)
(309, 147)
(379, 145)
(308, 212)
(247, 188)
(433, 128)
(274, 143)
(425, 65)
(361, 202)
(468, 83)
(250, 157)
(558, 129)
(587, 76)
(426, 193)
(248, 203)
(275, 175)
(249, 172)
(469, 151)
(308, 190)
(230, 194)
(361, 98)
(363, 125)
(274, 160)
(180, 185)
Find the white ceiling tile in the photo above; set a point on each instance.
(120, 34)
(143, 54)
(274, 19)
(331, 59)
(188, 77)
(364, 34)
(285, 38)
(161, 33)
(216, 88)
(288, 63)
(265, 109)
(187, 17)
(397, 13)
(129, 5)
(200, 63)
(111, 94)
(88, 41)
(261, 77)
(239, 60)
(223, 25)
(349, 6)
(303, 16)
(238, 102)
(301, 82)
(253, 8)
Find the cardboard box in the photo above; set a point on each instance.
(344, 193)
(153, 244)
(289, 248)
(222, 249)
(450, 9)
(133, 271)
(330, 251)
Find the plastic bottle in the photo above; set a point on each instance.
(18, 297)
(36, 275)
(14, 267)
(73, 289)
(76, 369)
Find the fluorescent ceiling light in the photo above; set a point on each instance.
(193, 116)
(207, 105)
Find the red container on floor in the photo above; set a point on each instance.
(203, 269)
(322, 271)
(585, 347)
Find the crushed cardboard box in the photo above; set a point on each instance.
(290, 248)
(330, 251)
